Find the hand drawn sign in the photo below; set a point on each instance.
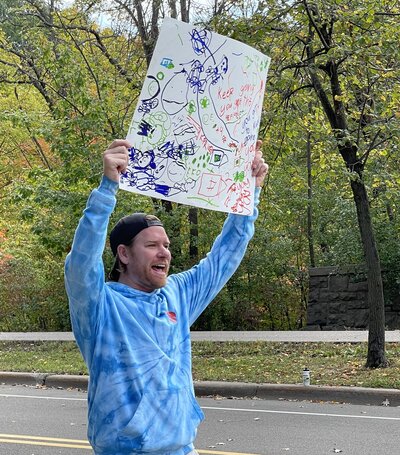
(194, 130)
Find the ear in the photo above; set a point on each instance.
(122, 254)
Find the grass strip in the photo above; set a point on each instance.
(339, 364)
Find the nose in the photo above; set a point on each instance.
(164, 252)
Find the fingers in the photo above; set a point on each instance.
(119, 143)
(115, 159)
(259, 166)
(258, 160)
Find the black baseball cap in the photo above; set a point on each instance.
(126, 230)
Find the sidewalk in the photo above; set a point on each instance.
(352, 395)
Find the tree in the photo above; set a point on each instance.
(67, 95)
(346, 52)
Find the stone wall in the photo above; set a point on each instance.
(338, 300)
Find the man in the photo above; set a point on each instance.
(134, 331)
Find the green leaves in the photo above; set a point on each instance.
(68, 87)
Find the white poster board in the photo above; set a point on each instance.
(195, 127)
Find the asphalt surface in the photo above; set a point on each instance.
(352, 395)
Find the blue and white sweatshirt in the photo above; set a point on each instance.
(137, 344)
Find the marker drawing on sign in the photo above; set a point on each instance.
(194, 130)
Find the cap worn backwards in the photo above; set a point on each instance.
(129, 227)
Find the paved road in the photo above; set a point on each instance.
(348, 336)
(37, 421)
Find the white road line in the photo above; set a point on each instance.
(311, 414)
(33, 397)
(212, 408)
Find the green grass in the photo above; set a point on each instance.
(259, 362)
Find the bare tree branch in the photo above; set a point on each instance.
(99, 43)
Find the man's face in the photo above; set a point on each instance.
(148, 259)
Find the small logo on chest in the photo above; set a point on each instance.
(172, 316)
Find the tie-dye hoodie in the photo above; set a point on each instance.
(136, 344)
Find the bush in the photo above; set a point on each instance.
(32, 296)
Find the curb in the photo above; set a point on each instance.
(61, 381)
(29, 379)
(65, 381)
(298, 392)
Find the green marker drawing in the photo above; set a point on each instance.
(203, 200)
(239, 176)
(205, 102)
(191, 107)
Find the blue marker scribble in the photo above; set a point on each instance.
(151, 103)
(162, 189)
(161, 170)
(216, 73)
(195, 79)
(200, 41)
(145, 128)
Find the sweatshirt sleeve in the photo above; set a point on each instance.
(203, 282)
(84, 269)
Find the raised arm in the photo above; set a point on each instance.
(84, 270)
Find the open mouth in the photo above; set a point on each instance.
(160, 269)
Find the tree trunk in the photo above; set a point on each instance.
(185, 5)
(336, 114)
(194, 235)
(310, 234)
(376, 333)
